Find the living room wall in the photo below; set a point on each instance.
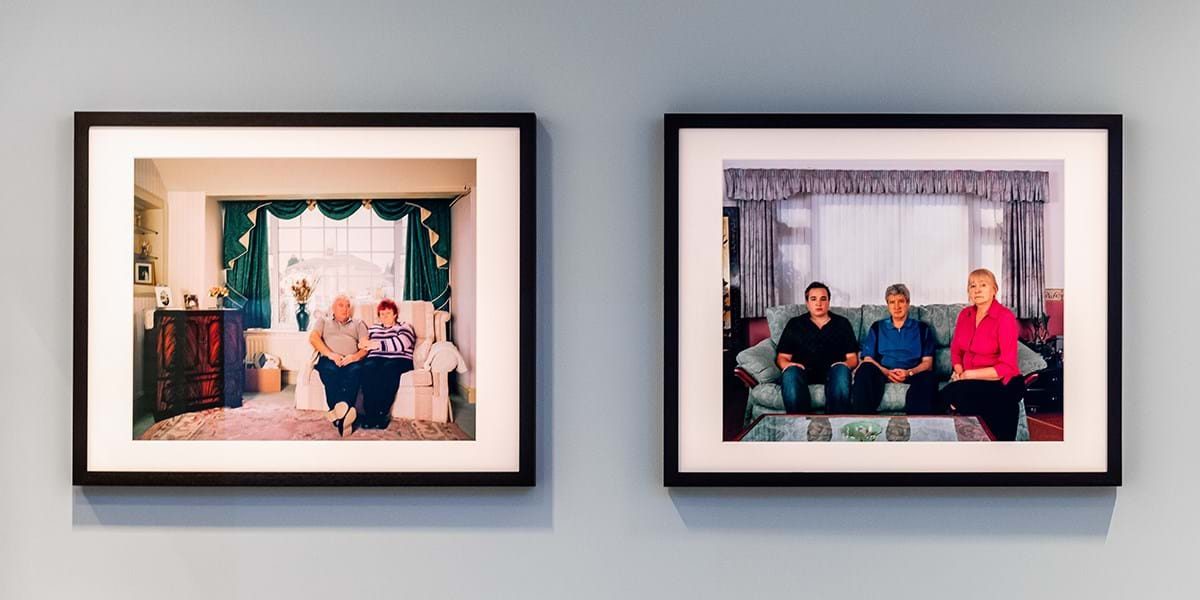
(600, 75)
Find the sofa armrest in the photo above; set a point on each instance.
(311, 363)
(758, 363)
(445, 357)
(440, 319)
(745, 377)
(1029, 361)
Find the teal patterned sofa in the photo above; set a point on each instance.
(758, 368)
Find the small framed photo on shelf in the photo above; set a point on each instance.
(143, 272)
(878, 300)
(406, 355)
(162, 296)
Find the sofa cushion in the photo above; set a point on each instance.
(942, 317)
(417, 378)
(870, 314)
(768, 397)
(759, 361)
(854, 315)
(778, 317)
(942, 366)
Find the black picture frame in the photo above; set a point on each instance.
(524, 124)
(676, 125)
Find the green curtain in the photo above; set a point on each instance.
(427, 264)
(339, 209)
(426, 269)
(392, 210)
(248, 279)
(287, 209)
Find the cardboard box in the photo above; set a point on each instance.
(263, 380)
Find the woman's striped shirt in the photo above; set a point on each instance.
(396, 341)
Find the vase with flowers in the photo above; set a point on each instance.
(218, 293)
(302, 290)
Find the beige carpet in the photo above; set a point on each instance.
(275, 417)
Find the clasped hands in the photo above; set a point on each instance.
(342, 360)
(957, 375)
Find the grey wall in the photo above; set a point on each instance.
(600, 75)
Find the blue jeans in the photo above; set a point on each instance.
(797, 400)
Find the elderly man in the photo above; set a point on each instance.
(338, 339)
(816, 348)
(897, 349)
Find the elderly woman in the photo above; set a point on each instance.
(986, 381)
(897, 349)
(390, 355)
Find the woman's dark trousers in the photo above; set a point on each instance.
(995, 403)
(381, 379)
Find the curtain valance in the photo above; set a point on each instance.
(778, 184)
(244, 250)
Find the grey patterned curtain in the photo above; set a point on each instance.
(757, 255)
(1023, 193)
(777, 184)
(1024, 276)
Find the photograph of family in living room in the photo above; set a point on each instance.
(893, 301)
(304, 299)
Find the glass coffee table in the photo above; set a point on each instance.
(866, 428)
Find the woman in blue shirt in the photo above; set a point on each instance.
(897, 349)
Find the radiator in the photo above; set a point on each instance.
(291, 347)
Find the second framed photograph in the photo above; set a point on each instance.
(893, 299)
(318, 299)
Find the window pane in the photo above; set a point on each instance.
(286, 223)
(360, 218)
(289, 240)
(311, 218)
(331, 241)
(312, 240)
(383, 261)
(338, 258)
(383, 240)
(359, 240)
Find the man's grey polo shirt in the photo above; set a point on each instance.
(341, 337)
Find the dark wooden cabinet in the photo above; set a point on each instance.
(197, 360)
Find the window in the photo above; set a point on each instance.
(362, 256)
(858, 244)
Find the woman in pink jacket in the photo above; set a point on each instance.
(986, 381)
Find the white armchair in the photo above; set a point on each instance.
(425, 391)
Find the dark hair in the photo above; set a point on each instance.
(814, 285)
(389, 304)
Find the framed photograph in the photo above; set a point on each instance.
(162, 296)
(892, 300)
(143, 272)
(383, 261)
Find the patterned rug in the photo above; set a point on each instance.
(275, 417)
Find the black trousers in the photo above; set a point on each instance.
(995, 403)
(341, 383)
(867, 391)
(381, 379)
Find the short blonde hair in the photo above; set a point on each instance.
(986, 274)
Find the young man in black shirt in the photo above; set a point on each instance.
(816, 348)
